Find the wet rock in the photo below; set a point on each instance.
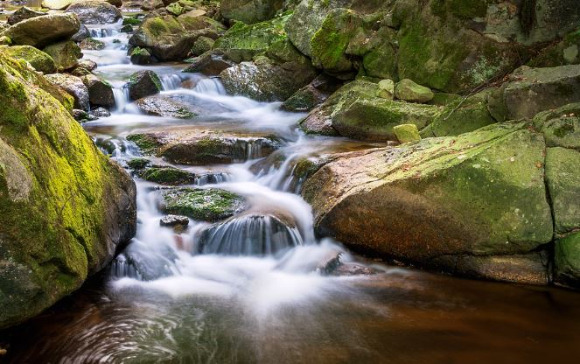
(95, 12)
(22, 14)
(41, 61)
(73, 86)
(250, 11)
(533, 90)
(65, 54)
(312, 95)
(210, 64)
(82, 34)
(43, 30)
(168, 38)
(49, 164)
(165, 106)
(100, 112)
(81, 115)
(144, 264)
(407, 90)
(168, 176)
(56, 4)
(138, 163)
(142, 56)
(479, 194)
(126, 29)
(201, 204)
(174, 220)
(142, 84)
(353, 269)
(406, 133)
(201, 147)
(92, 44)
(100, 92)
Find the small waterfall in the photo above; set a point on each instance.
(212, 178)
(253, 235)
(143, 263)
(121, 95)
(103, 32)
(171, 81)
(210, 86)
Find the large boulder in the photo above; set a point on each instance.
(65, 54)
(169, 38)
(532, 90)
(250, 11)
(44, 30)
(22, 14)
(41, 61)
(442, 201)
(95, 12)
(73, 86)
(64, 207)
(142, 84)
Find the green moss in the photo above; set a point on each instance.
(146, 143)
(168, 176)
(138, 163)
(131, 21)
(202, 204)
(330, 42)
(567, 260)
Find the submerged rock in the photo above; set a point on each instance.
(43, 30)
(64, 207)
(479, 194)
(95, 12)
(202, 204)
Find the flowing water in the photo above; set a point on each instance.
(253, 289)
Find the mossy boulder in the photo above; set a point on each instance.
(43, 30)
(462, 115)
(202, 45)
(532, 90)
(567, 261)
(561, 127)
(142, 84)
(41, 61)
(407, 133)
(64, 207)
(95, 12)
(563, 180)
(241, 43)
(100, 91)
(250, 11)
(193, 146)
(65, 54)
(407, 90)
(74, 86)
(202, 204)
(478, 194)
(168, 38)
(168, 176)
(141, 56)
(138, 163)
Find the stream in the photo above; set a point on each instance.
(166, 300)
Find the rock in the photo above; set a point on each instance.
(175, 9)
(202, 204)
(49, 164)
(386, 89)
(168, 176)
(92, 44)
(43, 30)
(210, 64)
(407, 133)
(312, 95)
(202, 45)
(142, 84)
(142, 56)
(117, 3)
(100, 112)
(265, 80)
(356, 111)
(56, 4)
(174, 220)
(563, 181)
(408, 90)
(561, 53)
(95, 12)
(250, 11)
(168, 38)
(197, 147)
(138, 163)
(100, 92)
(81, 115)
(533, 90)
(65, 54)
(462, 115)
(165, 106)
(73, 86)
(241, 43)
(22, 14)
(82, 34)
(561, 127)
(87, 64)
(41, 61)
(126, 29)
(479, 194)
(567, 261)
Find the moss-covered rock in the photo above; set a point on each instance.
(202, 204)
(202, 45)
(64, 207)
(41, 61)
(563, 180)
(479, 194)
(65, 54)
(250, 11)
(74, 86)
(142, 84)
(100, 91)
(561, 127)
(43, 30)
(169, 38)
(138, 163)
(567, 261)
(407, 133)
(168, 176)
(407, 90)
